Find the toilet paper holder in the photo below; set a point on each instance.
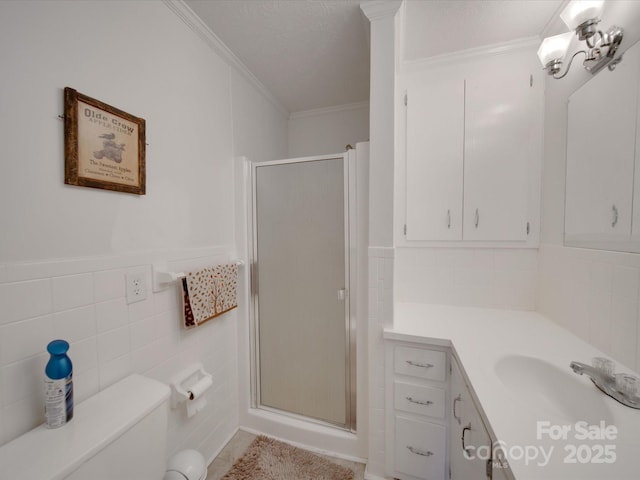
(189, 384)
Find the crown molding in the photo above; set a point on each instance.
(329, 110)
(470, 54)
(195, 23)
(379, 9)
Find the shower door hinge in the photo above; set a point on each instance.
(405, 99)
(405, 229)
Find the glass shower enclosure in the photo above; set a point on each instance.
(304, 341)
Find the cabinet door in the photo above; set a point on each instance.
(435, 136)
(470, 444)
(601, 141)
(501, 128)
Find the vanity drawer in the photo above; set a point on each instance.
(418, 362)
(420, 449)
(419, 399)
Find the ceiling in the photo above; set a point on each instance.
(315, 53)
(309, 53)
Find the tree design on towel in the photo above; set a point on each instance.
(211, 291)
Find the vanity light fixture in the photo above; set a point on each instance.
(582, 17)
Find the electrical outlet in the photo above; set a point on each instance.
(136, 287)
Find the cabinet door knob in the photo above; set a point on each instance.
(477, 218)
(614, 209)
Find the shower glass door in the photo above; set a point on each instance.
(300, 288)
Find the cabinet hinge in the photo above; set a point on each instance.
(528, 228)
(405, 99)
(531, 80)
(405, 229)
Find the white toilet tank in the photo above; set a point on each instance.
(118, 434)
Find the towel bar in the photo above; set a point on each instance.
(162, 278)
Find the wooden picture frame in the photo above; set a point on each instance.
(104, 147)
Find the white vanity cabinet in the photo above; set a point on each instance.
(471, 453)
(473, 153)
(416, 411)
(470, 445)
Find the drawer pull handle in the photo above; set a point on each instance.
(422, 453)
(456, 400)
(419, 402)
(418, 364)
(465, 430)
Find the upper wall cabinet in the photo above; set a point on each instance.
(602, 156)
(473, 147)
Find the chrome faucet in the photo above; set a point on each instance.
(606, 383)
(583, 369)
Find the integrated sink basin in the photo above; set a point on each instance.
(553, 392)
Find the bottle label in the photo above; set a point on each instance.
(58, 406)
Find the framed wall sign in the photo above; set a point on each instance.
(104, 146)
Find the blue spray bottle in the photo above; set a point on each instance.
(58, 383)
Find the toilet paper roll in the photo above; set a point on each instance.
(200, 387)
(195, 406)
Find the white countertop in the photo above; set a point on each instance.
(480, 338)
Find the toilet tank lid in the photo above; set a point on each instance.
(52, 454)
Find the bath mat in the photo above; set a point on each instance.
(268, 459)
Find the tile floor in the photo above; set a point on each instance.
(233, 450)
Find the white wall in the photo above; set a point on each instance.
(384, 52)
(328, 130)
(150, 66)
(593, 293)
(64, 251)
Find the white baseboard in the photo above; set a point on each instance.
(217, 452)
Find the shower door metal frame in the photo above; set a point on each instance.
(350, 285)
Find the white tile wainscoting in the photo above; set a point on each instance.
(381, 267)
(594, 294)
(84, 302)
(470, 277)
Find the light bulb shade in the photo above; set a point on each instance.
(554, 48)
(579, 11)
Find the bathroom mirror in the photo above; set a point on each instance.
(602, 203)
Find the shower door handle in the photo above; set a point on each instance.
(342, 294)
